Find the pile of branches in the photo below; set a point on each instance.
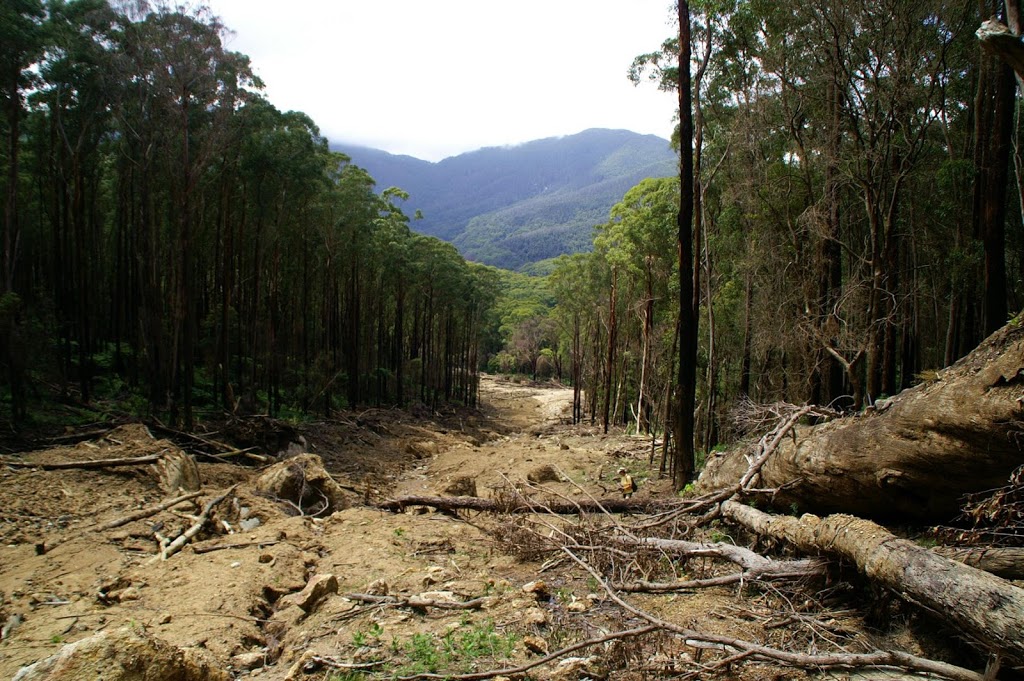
(993, 518)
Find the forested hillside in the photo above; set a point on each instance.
(173, 241)
(856, 221)
(510, 206)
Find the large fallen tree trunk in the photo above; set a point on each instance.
(983, 607)
(913, 456)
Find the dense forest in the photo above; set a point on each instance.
(171, 238)
(856, 223)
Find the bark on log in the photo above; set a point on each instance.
(524, 505)
(914, 455)
(1003, 561)
(983, 607)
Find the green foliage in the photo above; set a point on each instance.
(464, 649)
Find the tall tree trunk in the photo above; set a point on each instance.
(610, 363)
(994, 106)
(686, 386)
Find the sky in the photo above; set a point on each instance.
(436, 78)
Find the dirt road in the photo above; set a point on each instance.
(63, 580)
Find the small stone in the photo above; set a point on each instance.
(378, 587)
(538, 588)
(535, 616)
(266, 558)
(577, 606)
(249, 524)
(536, 645)
(166, 619)
(316, 589)
(249, 661)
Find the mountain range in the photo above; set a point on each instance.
(514, 206)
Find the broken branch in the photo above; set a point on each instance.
(187, 535)
(148, 511)
(86, 465)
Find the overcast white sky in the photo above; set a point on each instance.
(434, 78)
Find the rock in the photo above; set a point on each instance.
(577, 606)
(304, 482)
(316, 590)
(538, 588)
(545, 473)
(422, 449)
(122, 655)
(249, 524)
(536, 645)
(572, 668)
(535, 616)
(378, 587)
(462, 486)
(249, 661)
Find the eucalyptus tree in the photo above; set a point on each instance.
(21, 44)
(180, 88)
(639, 240)
(73, 99)
(572, 284)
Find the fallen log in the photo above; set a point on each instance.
(981, 606)
(912, 456)
(85, 465)
(1003, 561)
(525, 505)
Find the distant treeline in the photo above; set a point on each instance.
(172, 240)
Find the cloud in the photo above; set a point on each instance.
(432, 79)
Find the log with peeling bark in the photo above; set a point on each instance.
(1003, 561)
(912, 456)
(524, 505)
(985, 608)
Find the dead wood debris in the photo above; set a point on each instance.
(994, 518)
(148, 511)
(168, 550)
(638, 556)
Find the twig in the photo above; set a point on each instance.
(877, 659)
(148, 511)
(240, 545)
(86, 465)
(417, 602)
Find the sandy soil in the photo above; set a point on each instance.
(63, 579)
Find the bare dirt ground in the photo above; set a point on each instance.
(233, 597)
